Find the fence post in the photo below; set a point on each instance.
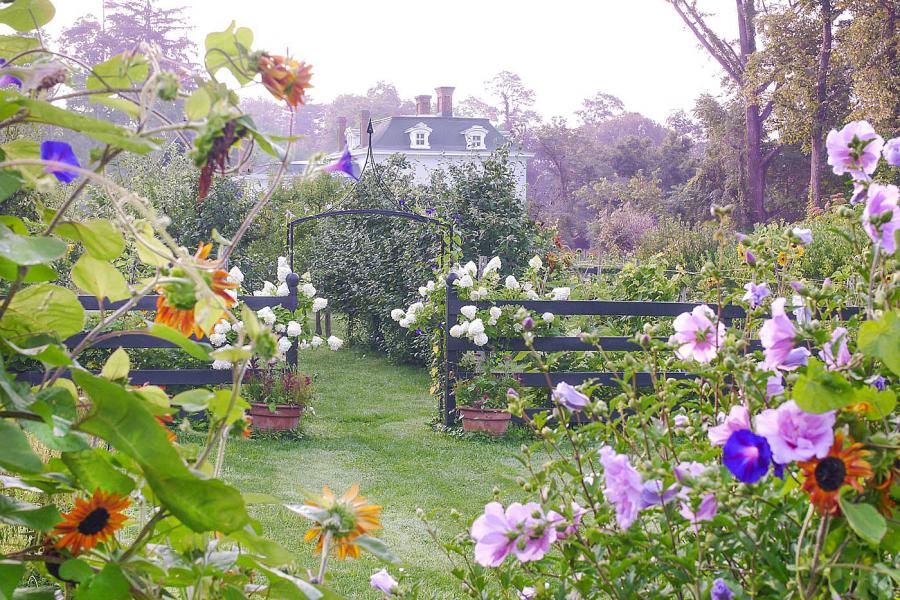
(292, 280)
(327, 322)
(451, 357)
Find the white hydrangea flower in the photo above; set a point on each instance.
(430, 286)
(319, 304)
(335, 343)
(492, 265)
(414, 308)
(221, 365)
(560, 293)
(235, 275)
(294, 329)
(511, 283)
(308, 290)
(532, 295)
(397, 314)
(479, 294)
(284, 344)
(217, 339)
(267, 315)
(535, 262)
(268, 289)
(282, 261)
(404, 322)
(481, 339)
(304, 345)
(465, 281)
(495, 312)
(282, 272)
(527, 286)
(471, 268)
(280, 328)
(282, 290)
(456, 331)
(222, 327)
(238, 327)
(423, 291)
(548, 317)
(475, 327)
(469, 311)
(316, 341)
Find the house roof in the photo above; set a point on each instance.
(447, 133)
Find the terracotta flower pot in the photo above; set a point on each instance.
(494, 421)
(285, 417)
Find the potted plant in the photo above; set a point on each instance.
(278, 398)
(483, 400)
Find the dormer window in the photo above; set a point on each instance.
(475, 137)
(418, 136)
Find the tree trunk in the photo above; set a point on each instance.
(817, 129)
(756, 166)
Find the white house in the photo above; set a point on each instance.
(429, 141)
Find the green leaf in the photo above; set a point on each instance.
(230, 49)
(218, 406)
(878, 404)
(121, 71)
(109, 584)
(881, 339)
(101, 238)
(26, 15)
(271, 553)
(34, 274)
(29, 150)
(17, 455)
(76, 569)
(43, 308)
(11, 573)
(10, 45)
(10, 182)
(40, 593)
(150, 249)
(99, 278)
(197, 105)
(122, 419)
(116, 103)
(117, 366)
(194, 400)
(864, 519)
(94, 470)
(231, 354)
(819, 390)
(195, 349)
(376, 547)
(25, 514)
(27, 250)
(288, 587)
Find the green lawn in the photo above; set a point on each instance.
(371, 426)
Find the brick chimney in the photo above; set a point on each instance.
(444, 101)
(340, 136)
(423, 105)
(364, 117)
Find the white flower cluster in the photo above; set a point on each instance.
(472, 327)
(408, 317)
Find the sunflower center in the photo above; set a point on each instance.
(830, 473)
(94, 522)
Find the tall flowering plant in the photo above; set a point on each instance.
(763, 460)
(103, 500)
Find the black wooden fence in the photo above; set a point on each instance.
(207, 376)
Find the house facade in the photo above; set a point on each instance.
(429, 140)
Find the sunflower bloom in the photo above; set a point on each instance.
(350, 516)
(285, 78)
(175, 305)
(164, 422)
(91, 521)
(824, 478)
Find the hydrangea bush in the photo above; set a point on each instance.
(764, 459)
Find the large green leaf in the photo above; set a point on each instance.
(10, 183)
(230, 49)
(100, 279)
(29, 250)
(33, 274)
(101, 239)
(864, 520)
(377, 547)
(25, 149)
(195, 349)
(876, 405)
(11, 573)
(26, 15)
(16, 454)
(43, 308)
(108, 584)
(35, 593)
(25, 514)
(197, 105)
(121, 71)
(881, 339)
(122, 419)
(94, 470)
(10, 45)
(819, 390)
(287, 587)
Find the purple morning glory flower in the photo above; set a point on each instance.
(882, 203)
(401, 202)
(342, 165)
(8, 80)
(855, 149)
(755, 294)
(429, 211)
(879, 383)
(720, 590)
(457, 218)
(60, 152)
(891, 152)
(418, 331)
(747, 456)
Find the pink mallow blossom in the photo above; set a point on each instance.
(521, 529)
(696, 336)
(881, 200)
(622, 486)
(891, 152)
(835, 354)
(564, 527)
(738, 418)
(777, 336)
(708, 507)
(383, 582)
(844, 153)
(794, 434)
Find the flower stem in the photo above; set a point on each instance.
(326, 549)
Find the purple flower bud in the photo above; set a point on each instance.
(528, 324)
(749, 258)
(879, 383)
(418, 331)
(720, 590)
(512, 394)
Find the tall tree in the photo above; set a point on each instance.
(734, 59)
(514, 102)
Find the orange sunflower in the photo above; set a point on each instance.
(91, 521)
(350, 516)
(175, 305)
(164, 422)
(824, 478)
(285, 78)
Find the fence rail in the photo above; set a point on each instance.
(139, 340)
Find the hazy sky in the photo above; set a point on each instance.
(565, 50)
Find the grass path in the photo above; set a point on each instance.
(371, 427)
